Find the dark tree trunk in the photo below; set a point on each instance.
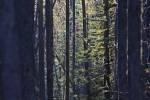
(122, 49)
(116, 94)
(145, 43)
(107, 83)
(134, 53)
(74, 43)
(24, 18)
(42, 92)
(145, 33)
(86, 63)
(49, 47)
(67, 49)
(11, 88)
(17, 70)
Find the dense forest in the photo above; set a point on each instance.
(74, 49)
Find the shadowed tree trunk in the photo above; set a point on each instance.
(17, 68)
(42, 93)
(24, 18)
(10, 67)
(67, 49)
(122, 49)
(107, 83)
(74, 43)
(134, 51)
(49, 47)
(86, 63)
(145, 43)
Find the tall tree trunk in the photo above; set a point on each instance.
(10, 63)
(67, 49)
(42, 93)
(122, 49)
(134, 50)
(18, 52)
(25, 27)
(145, 33)
(49, 47)
(107, 83)
(74, 43)
(24, 18)
(86, 64)
(145, 43)
(116, 94)
(36, 50)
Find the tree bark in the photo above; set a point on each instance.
(122, 50)
(135, 69)
(67, 49)
(74, 43)
(49, 47)
(86, 63)
(18, 51)
(42, 93)
(24, 18)
(10, 62)
(107, 83)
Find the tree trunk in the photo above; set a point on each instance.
(74, 43)
(18, 51)
(122, 50)
(24, 12)
(67, 49)
(49, 47)
(107, 83)
(42, 93)
(86, 63)
(134, 51)
(10, 62)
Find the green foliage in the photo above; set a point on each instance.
(96, 20)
